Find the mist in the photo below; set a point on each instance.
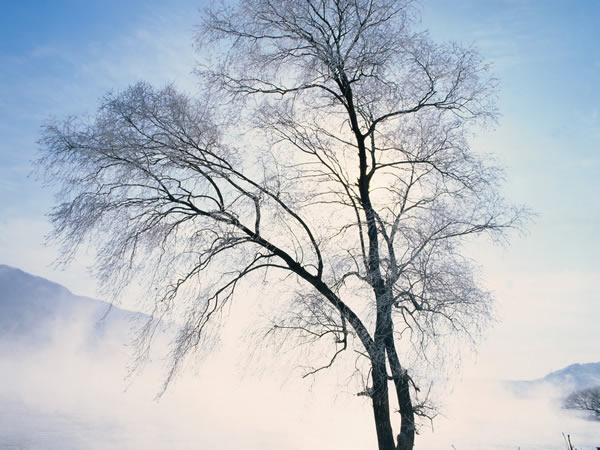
(488, 414)
(71, 390)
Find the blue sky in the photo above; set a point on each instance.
(57, 58)
(546, 56)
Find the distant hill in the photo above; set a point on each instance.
(32, 307)
(571, 378)
(578, 376)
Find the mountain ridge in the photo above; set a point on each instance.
(562, 382)
(32, 307)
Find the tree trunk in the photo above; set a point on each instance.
(381, 407)
(406, 438)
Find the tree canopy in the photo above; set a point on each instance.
(326, 151)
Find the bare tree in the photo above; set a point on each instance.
(585, 400)
(328, 145)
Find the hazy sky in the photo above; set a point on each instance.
(58, 58)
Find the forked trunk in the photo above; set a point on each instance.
(381, 412)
